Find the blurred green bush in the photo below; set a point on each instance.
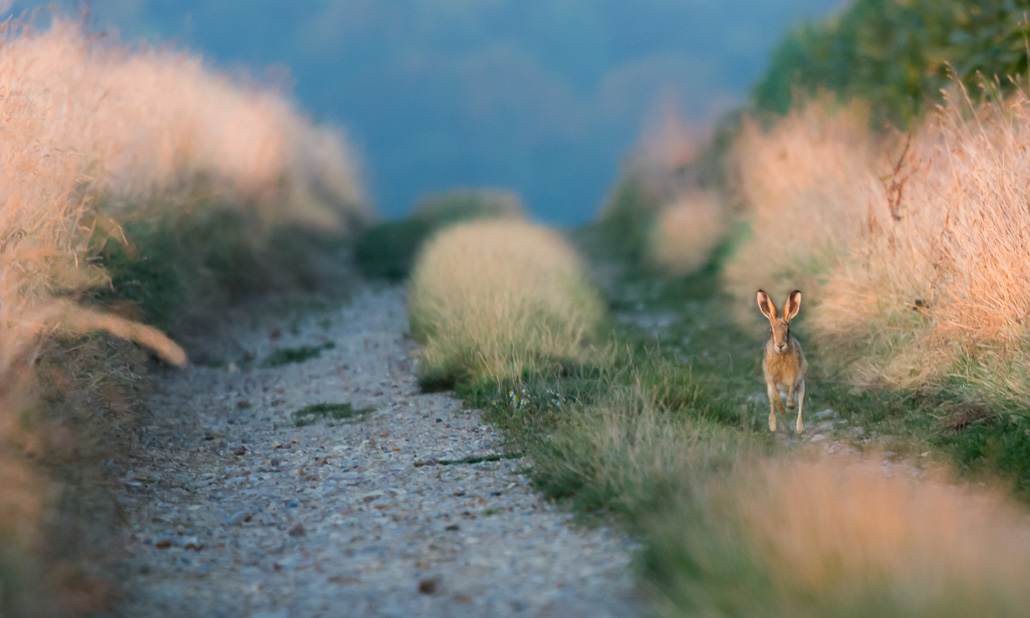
(900, 55)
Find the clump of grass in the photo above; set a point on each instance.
(496, 299)
(686, 233)
(625, 225)
(388, 250)
(466, 204)
(807, 537)
(628, 454)
(337, 411)
(299, 354)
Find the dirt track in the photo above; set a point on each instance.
(235, 511)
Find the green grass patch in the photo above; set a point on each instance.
(325, 411)
(624, 228)
(174, 268)
(299, 354)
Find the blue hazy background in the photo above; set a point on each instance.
(544, 97)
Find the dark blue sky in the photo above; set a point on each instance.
(544, 97)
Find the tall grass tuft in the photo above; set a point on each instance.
(93, 131)
(494, 299)
(800, 537)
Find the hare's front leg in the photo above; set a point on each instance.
(801, 405)
(774, 403)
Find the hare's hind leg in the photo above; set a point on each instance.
(774, 404)
(801, 405)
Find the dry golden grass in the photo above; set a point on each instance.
(88, 121)
(83, 119)
(806, 183)
(686, 231)
(859, 541)
(493, 298)
(131, 123)
(943, 269)
(914, 252)
(668, 144)
(819, 537)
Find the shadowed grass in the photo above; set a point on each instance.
(336, 411)
(299, 354)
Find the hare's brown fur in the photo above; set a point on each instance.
(784, 364)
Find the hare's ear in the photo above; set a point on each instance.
(766, 305)
(793, 305)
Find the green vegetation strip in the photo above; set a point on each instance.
(286, 356)
(467, 460)
(899, 57)
(177, 268)
(337, 411)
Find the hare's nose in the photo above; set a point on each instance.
(780, 346)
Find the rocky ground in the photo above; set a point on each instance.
(235, 510)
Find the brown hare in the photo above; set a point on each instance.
(784, 364)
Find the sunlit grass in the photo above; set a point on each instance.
(495, 299)
(912, 249)
(814, 537)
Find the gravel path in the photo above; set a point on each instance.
(235, 511)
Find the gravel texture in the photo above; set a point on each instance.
(234, 510)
